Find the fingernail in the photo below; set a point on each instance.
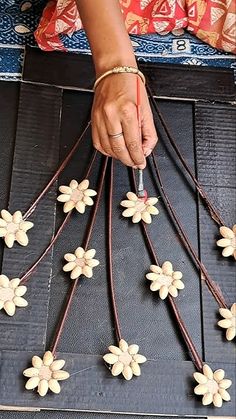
(142, 166)
(147, 152)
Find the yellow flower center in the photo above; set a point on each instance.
(6, 294)
(76, 196)
(12, 228)
(45, 373)
(125, 358)
(212, 386)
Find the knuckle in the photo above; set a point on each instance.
(128, 110)
(108, 109)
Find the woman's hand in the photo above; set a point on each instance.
(115, 111)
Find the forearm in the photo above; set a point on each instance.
(108, 38)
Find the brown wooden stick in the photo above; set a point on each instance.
(72, 289)
(212, 210)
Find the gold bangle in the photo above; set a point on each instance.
(118, 70)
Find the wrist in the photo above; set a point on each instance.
(107, 62)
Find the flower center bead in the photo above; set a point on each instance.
(213, 386)
(45, 373)
(12, 228)
(140, 206)
(125, 358)
(165, 280)
(6, 294)
(76, 196)
(80, 262)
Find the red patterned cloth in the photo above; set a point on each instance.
(213, 21)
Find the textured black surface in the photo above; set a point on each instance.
(76, 71)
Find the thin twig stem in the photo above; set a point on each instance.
(110, 257)
(72, 289)
(56, 175)
(212, 210)
(30, 271)
(212, 286)
(197, 360)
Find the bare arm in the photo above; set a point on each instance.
(114, 108)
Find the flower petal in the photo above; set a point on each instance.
(87, 271)
(152, 276)
(146, 217)
(54, 386)
(223, 242)
(173, 291)
(69, 266)
(140, 359)
(4, 281)
(233, 309)
(77, 271)
(111, 358)
(68, 206)
(48, 358)
(31, 372)
(17, 217)
(155, 286)
(79, 252)
(163, 292)
(74, 184)
(14, 283)
(133, 349)
(129, 212)
(3, 223)
(136, 217)
(57, 365)
(114, 350)
(65, 190)
(224, 394)
(22, 238)
(225, 323)
(225, 383)
(89, 254)
(60, 375)
(178, 284)
(83, 185)
(132, 196)
(156, 269)
(123, 345)
(167, 268)
(231, 333)
(226, 232)
(37, 362)
(207, 399)
(63, 198)
(127, 372)
(43, 388)
(151, 201)
(217, 400)
(200, 378)
(6, 216)
(80, 207)
(117, 368)
(20, 302)
(10, 308)
(9, 240)
(201, 389)
(3, 231)
(224, 312)
(32, 383)
(69, 257)
(26, 225)
(152, 210)
(88, 201)
(228, 251)
(135, 368)
(218, 375)
(92, 263)
(207, 371)
(177, 275)
(127, 204)
(90, 192)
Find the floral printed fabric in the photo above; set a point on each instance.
(213, 21)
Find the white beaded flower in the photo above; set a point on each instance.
(45, 374)
(228, 241)
(165, 280)
(11, 293)
(125, 359)
(80, 263)
(13, 228)
(139, 208)
(76, 195)
(212, 386)
(229, 321)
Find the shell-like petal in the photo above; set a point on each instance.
(123, 345)
(117, 368)
(178, 284)
(10, 308)
(156, 269)
(152, 276)
(140, 359)
(88, 201)
(68, 206)
(37, 362)
(79, 252)
(226, 232)
(20, 302)
(14, 283)
(89, 254)
(69, 266)
(173, 291)
(167, 268)
(69, 257)
(90, 192)
(63, 198)
(54, 386)
(163, 292)
(129, 212)
(74, 184)
(231, 333)
(83, 185)
(225, 323)
(57, 365)
(200, 378)
(111, 358)
(31, 372)
(32, 383)
(146, 217)
(207, 371)
(152, 210)
(127, 372)
(201, 389)
(77, 271)
(65, 190)
(151, 201)
(135, 368)
(224, 312)
(136, 217)
(87, 271)
(3, 231)
(218, 375)
(17, 217)
(60, 375)
(225, 383)
(207, 399)
(80, 206)
(115, 350)
(132, 196)
(9, 240)
(133, 349)
(127, 204)
(48, 358)
(224, 394)
(228, 251)
(92, 263)
(4, 281)
(6, 216)
(26, 225)
(155, 286)
(177, 275)
(3, 223)
(22, 238)
(223, 242)
(217, 400)
(233, 309)
(43, 388)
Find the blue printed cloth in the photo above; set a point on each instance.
(18, 20)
